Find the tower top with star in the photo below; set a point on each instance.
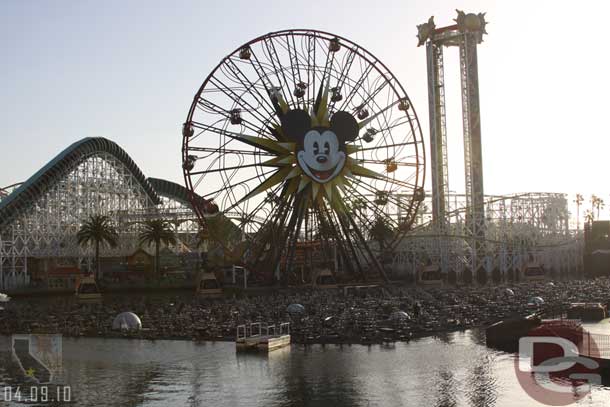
(464, 23)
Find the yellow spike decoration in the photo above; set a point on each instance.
(275, 179)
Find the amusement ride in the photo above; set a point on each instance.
(303, 157)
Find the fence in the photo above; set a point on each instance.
(595, 345)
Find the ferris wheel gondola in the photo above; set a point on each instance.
(298, 128)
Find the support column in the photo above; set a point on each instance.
(438, 133)
(472, 149)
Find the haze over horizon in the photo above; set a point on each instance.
(128, 71)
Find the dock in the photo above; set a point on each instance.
(250, 338)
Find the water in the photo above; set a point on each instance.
(453, 370)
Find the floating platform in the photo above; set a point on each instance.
(251, 339)
(263, 343)
(87, 291)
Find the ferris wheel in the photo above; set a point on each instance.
(298, 141)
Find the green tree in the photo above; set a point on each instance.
(205, 246)
(381, 231)
(98, 230)
(358, 208)
(325, 229)
(157, 231)
(203, 239)
(225, 240)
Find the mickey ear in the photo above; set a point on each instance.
(295, 123)
(345, 126)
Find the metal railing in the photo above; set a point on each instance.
(256, 329)
(595, 345)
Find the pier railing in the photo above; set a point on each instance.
(256, 329)
(250, 330)
(595, 345)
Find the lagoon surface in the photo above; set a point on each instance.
(452, 370)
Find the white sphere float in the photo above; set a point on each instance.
(127, 321)
(400, 316)
(295, 309)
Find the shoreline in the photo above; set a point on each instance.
(347, 341)
(398, 314)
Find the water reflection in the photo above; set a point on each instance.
(477, 336)
(445, 337)
(482, 388)
(446, 389)
(454, 370)
(196, 384)
(317, 379)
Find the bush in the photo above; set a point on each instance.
(496, 276)
(482, 276)
(467, 276)
(452, 277)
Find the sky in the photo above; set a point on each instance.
(128, 71)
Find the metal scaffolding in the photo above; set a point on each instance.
(520, 228)
(438, 132)
(465, 234)
(41, 218)
(466, 35)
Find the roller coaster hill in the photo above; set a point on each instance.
(39, 220)
(261, 193)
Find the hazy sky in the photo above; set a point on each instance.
(128, 70)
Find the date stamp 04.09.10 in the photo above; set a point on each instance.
(32, 367)
(36, 394)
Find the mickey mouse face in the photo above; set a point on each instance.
(320, 150)
(320, 157)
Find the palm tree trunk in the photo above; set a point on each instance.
(97, 260)
(157, 274)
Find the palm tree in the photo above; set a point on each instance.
(596, 203)
(579, 200)
(589, 216)
(98, 229)
(599, 204)
(157, 231)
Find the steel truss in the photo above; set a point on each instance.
(465, 35)
(6, 191)
(99, 184)
(238, 152)
(520, 228)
